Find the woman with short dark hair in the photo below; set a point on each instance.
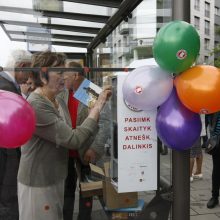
(44, 158)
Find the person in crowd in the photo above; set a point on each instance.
(28, 87)
(215, 130)
(44, 158)
(78, 113)
(205, 137)
(162, 148)
(9, 158)
(196, 155)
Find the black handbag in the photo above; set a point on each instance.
(212, 144)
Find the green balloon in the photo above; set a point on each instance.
(176, 46)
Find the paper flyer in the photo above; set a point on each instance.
(87, 93)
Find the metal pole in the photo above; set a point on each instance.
(181, 10)
(181, 160)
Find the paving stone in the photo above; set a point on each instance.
(205, 217)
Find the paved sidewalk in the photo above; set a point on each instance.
(200, 193)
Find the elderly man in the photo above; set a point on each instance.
(9, 158)
(78, 112)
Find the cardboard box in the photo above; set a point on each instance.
(90, 189)
(112, 199)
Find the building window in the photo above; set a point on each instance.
(197, 5)
(206, 59)
(217, 11)
(197, 22)
(206, 43)
(217, 29)
(125, 41)
(114, 49)
(216, 43)
(207, 9)
(207, 27)
(119, 43)
(120, 60)
(159, 4)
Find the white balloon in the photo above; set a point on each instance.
(147, 87)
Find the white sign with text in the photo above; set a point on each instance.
(137, 146)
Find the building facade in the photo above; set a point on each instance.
(133, 38)
(203, 19)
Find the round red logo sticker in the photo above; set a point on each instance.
(138, 90)
(204, 111)
(181, 54)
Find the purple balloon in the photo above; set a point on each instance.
(177, 126)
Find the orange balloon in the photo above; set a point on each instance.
(198, 88)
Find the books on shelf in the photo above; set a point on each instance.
(126, 213)
(139, 208)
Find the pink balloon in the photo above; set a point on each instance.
(17, 120)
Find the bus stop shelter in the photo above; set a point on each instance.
(52, 23)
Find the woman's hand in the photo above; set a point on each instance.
(99, 104)
(103, 97)
(90, 156)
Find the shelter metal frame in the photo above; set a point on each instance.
(124, 10)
